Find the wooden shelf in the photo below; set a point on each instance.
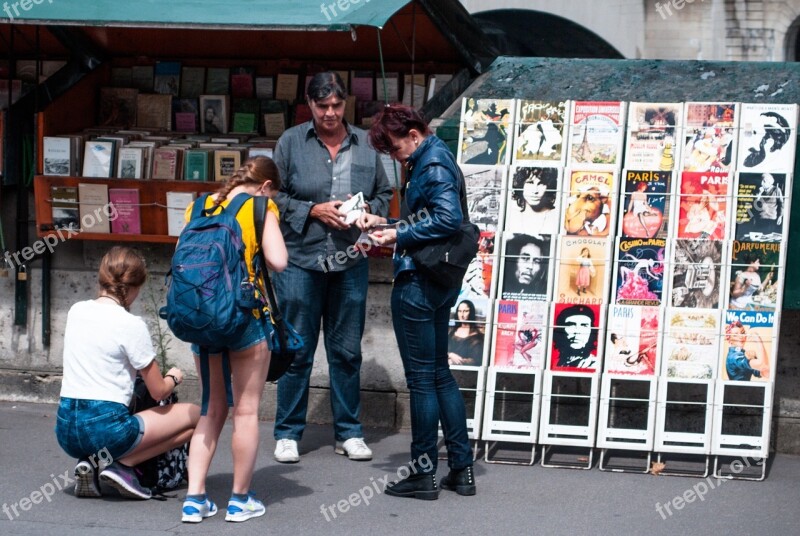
(152, 197)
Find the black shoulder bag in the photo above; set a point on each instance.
(283, 338)
(445, 260)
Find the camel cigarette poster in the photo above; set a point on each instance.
(588, 208)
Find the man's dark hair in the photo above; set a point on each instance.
(547, 176)
(323, 85)
(512, 253)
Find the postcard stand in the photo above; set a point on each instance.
(742, 416)
(626, 423)
(511, 416)
(569, 419)
(683, 425)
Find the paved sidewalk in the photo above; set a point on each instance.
(511, 499)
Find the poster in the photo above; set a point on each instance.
(703, 205)
(575, 335)
(761, 201)
(767, 137)
(632, 340)
(582, 270)
(754, 276)
(646, 202)
(696, 273)
(541, 130)
(691, 343)
(747, 348)
(596, 134)
(527, 265)
(467, 332)
(652, 135)
(485, 133)
(520, 334)
(589, 205)
(639, 271)
(532, 202)
(709, 136)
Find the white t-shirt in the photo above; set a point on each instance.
(104, 346)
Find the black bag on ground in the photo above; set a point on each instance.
(445, 260)
(166, 471)
(284, 339)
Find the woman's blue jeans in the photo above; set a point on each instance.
(338, 301)
(420, 314)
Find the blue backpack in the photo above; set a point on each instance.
(210, 299)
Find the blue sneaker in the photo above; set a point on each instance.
(194, 511)
(242, 511)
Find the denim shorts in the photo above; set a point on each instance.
(253, 334)
(87, 427)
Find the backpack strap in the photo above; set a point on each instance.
(205, 381)
(199, 207)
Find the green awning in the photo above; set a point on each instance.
(256, 14)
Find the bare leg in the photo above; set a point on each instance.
(165, 427)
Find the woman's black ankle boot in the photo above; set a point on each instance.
(462, 481)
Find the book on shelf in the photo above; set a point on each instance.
(126, 212)
(176, 211)
(217, 80)
(388, 88)
(242, 82)
(414, 84)
(167, 78)
(345, 78)
(121, 77)
(131, 162)
(286, 86)
(154, 111)
(196, 165)
(226, 162)
(118, 106)
(245, 114)
(214, 114)
(59, 156)
(274, 124)
(94, 209)
(98, 158)
(361, 85)
(193, 80)
(254, 152)
(167, 163)
(65, 208)
(142, 77)
(265, 87)
(186, 114)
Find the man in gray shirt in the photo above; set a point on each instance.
(322, 163)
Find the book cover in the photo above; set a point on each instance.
(94, 209)
(176, 211)
(127, 215)
(193, 82)
(748, 347)
(65, 208)
(414, 90)
(142, 77)
(302, 113)
(98, 158)
(388, 87)
(226, 162)
(214, 109)
(533, 200)
(696, 273)
(154, 111)
(691, 344)
(597, 129)
(540, 132)
(167, 163)
(242, 82)
(196, 166)
(265, 87)
(519, 335)
(274, 124)
(118, 106)
(575, 344)
(58, 156)
(653, 135)
(589, 205)
(485, 199)
(703, 205)
(485, 131)
(217, 80)
(131, 163)
(361, 85)
(755, 276)
(767, 137)
(466, 338)
(644, 211)
(639, 271)
(244, 122)
(582, 275)
(709, 142)
(633, 340)
(286, 87)
(526, 266)
(167, 78)
(761, 199)
(186, 114)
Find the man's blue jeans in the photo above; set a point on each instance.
(339, 301)
(420, 314)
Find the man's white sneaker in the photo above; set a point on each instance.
(286, 451)
(354, 448)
